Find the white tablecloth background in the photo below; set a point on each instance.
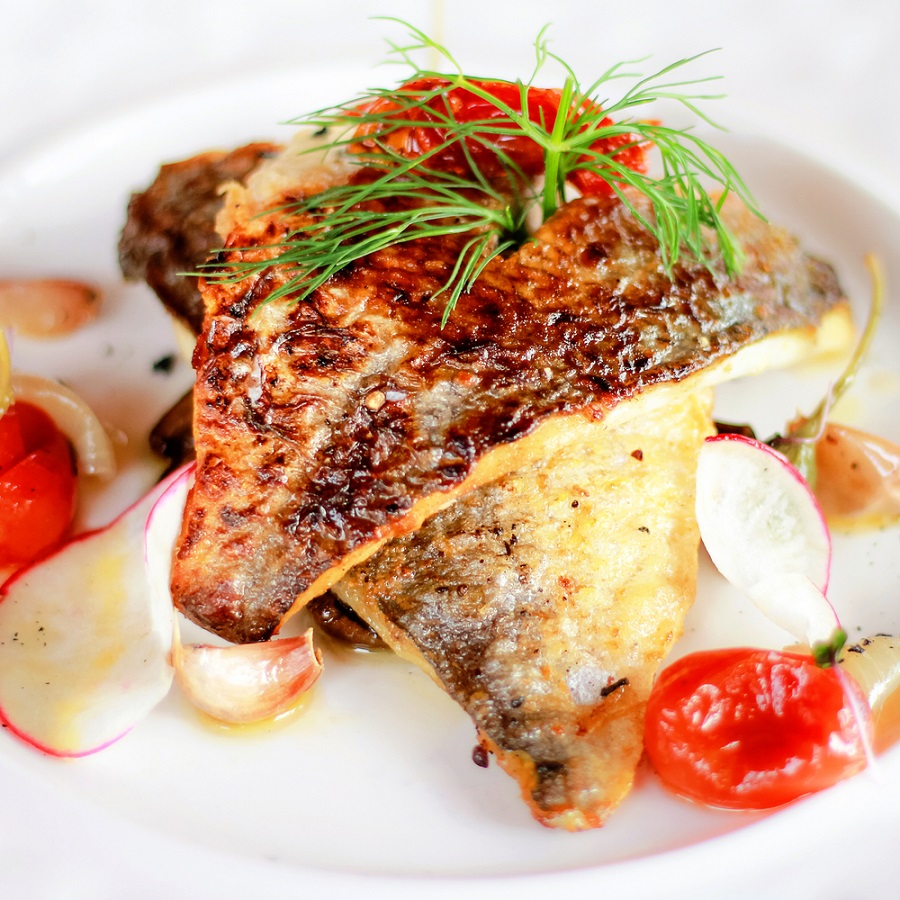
(823, 73)
(827, 70)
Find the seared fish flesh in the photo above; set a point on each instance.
(544, 603)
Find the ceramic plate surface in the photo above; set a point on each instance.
(373, 784)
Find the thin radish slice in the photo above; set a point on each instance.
(795, 604)
(85, 645)
(765, 533)
(250, 682)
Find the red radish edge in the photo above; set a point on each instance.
(162, 488)
(783, 460)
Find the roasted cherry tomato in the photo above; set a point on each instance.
(439, 104)
(37, 484)
(754, 729)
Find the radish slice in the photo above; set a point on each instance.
(161, 530)
(236, 684)
(765, 532)
(250, 682)
(795, 604)
(85, 643)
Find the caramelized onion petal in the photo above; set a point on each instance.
(47, 307)
(75, 419)
(858, 476)
(247, 682)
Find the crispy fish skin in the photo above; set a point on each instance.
(544, 603)
(328, 426)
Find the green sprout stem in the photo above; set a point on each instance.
(799, 444)
(826, 653)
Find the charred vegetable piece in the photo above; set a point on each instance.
(170, 226)
(340, 622)
(173, 435)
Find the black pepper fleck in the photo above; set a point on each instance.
(610, 688)
(164, 364)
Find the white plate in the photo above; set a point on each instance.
(373, 785)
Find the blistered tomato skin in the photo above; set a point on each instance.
(37, 485)
(754, 729)
(429, 136)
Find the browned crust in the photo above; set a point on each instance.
(326, 427)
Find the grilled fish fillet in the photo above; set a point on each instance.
(543, 603)
(327, 427)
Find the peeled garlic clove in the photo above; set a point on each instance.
(247, 682)
(72, 415)
(46, 307)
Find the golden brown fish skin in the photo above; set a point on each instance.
(328, 426)
(544, 603)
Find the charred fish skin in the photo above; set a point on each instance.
(543, 603)
(328, 426)
(170, 226)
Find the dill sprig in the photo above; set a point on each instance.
(441, 204)
(405, 198)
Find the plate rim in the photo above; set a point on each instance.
(24, 162)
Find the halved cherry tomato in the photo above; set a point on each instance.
(37, 484)
(432, 102)
(754, 729)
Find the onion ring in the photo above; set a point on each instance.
(72, 415)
